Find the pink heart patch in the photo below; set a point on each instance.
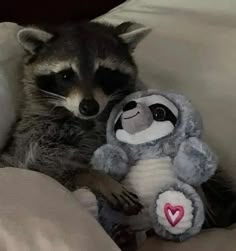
(174, 214)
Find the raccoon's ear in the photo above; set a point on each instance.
(32, 38)
(132, 33)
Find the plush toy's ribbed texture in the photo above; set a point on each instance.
(148, 177)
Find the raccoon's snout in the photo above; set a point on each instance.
(89, 107)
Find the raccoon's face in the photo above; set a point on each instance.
(80, 68)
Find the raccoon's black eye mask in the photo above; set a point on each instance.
(59, 83)
(62, 82)
(111, 80)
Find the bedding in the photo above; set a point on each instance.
(37, 213)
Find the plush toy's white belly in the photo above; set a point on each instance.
(146, 179)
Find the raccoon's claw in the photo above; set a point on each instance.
(119, 197)
(126, 202)
(123, 236)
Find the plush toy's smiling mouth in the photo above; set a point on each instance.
(132, 116)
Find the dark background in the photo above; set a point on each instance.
(53, 11)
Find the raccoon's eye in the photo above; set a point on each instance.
(66, 75)
(60, 83)
(111, 80)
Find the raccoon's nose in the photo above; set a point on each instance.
(89, 107)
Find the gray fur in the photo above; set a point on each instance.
(116, 164)
(40, 143)
(48, 138)
(198, 213)
(195, 163)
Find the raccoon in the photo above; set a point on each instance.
(73, 76)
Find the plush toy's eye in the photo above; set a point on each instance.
(159, 114)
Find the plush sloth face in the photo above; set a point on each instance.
(146, 119)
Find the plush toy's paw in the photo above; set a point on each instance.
(123, 236)
(178, 213)
(174, 212)
(111, 160)
(195, 163)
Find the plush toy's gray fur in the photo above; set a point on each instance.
(193, 161)
(115, 157)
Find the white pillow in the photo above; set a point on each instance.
(10, 57)
(192, 50)
(38, 214)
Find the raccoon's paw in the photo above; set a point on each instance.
(126, 202)
(123, 236)
(121, 199)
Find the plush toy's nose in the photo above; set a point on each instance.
(136, 117)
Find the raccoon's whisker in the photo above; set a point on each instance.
(42, 112)
(53, 94)
(46, 98)
(54, 101)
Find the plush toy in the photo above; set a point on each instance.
(154, 148)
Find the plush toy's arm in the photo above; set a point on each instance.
(112, 160)
(195, 162)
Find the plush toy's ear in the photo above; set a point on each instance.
(32, 38)
(132, 33)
